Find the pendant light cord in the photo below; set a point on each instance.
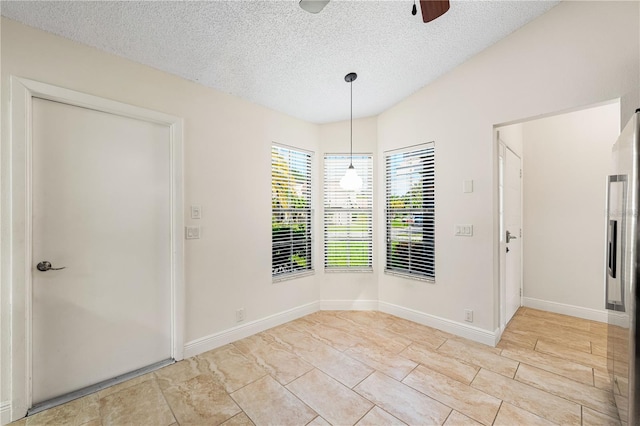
(351, 120)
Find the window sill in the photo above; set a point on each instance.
(292, 276)
(410, 276)
(348, 270)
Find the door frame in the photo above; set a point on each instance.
(17, 217)
(501, 275)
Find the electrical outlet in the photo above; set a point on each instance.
(192, 232)
(240, 315)
(468, 315)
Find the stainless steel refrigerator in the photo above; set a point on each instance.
(622, 271)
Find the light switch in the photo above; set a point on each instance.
(192, 232)
(463, 230)
(467, 186)
(195, 212)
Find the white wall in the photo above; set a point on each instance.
(512, 137)
(227, 171)
(350, 290)
(566, 161)
(577, 54)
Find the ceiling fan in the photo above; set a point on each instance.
(431, 9)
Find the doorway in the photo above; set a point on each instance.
(98, 265)
(565, 162)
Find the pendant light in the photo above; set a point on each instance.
(351, 181)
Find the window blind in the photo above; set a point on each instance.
(410, 211)
(348, 215)
(291, 240)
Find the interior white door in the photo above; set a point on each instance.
(102, 210)
(512, 238)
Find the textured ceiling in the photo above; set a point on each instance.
(275, 54)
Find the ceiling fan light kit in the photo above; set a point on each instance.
(351, 181)
(313, 6)
(431, 9)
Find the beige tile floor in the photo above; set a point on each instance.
(370, 368)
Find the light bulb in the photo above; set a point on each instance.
(351, 181)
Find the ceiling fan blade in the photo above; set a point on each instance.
(432, 9)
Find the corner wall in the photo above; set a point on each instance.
(577, 54)
(350, 290)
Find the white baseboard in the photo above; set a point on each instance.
(222, 338)
(5, 412)
(562, 308)
(349, 305)
(459, 329)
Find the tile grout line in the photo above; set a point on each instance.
(314, 419)
(443, 342)
(572, 360)
(475, 375)
(356, 385)
(418, 364)
(497, 412)
(464, 384)
(365, 414)
(516, 373)
(448, 415)
(155, 379)
(562, 397)
(557, 374)
(301, 400)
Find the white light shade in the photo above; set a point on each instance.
(313, 6)
(351, 181)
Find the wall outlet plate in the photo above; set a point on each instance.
(192, 232)
(240, 315)
(463, 230)
(196, 212)
(468, 315)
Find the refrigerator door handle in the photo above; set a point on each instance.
(612, 247)
(615, 279)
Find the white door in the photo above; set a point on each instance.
(102, 210)
(512, 236)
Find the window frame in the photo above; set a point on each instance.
(365, 171)
(308, 239)
(426, 232)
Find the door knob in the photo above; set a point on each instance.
(45, 266)
(510, 237)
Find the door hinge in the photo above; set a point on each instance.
(520, 172)
(520, 232)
